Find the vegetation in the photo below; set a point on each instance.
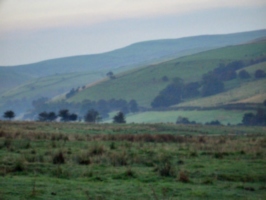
(9, 114)
(147, 84)
(119, 118)
(92, 116)
(41, 160)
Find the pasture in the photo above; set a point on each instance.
(131, 161)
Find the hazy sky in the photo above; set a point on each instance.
(35, 30)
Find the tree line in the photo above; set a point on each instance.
(92, 116)
(211, 83)
(103, 107)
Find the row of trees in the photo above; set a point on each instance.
(256, 119)
(211, 83)
(103, 107)
(92, 116)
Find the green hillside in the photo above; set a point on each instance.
(9, 79)
(58, 76)
(144, 84)
(53, 85)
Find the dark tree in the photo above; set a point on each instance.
(92, 116)
(264, 102)
(191, 90)
(110, 75)
(260, 73)
(243, 74)
(43, 116)
(119, 118)
(182, 120)
(64, 114)
(9, 114)
(72, 92)
(133, 106)
(214, 122)
(73, 117)
(171, 95)
(211, 85)
(261, 116)
(52, 116)
(249, 119)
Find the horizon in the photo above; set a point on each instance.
(130, 45)
(34, 31)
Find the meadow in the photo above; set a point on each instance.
(131, 161)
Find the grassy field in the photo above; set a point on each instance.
(131, 161)
(144, 84)
(224, 116)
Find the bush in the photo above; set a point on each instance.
(59, 158)
(260, 73)
(243, 74)
(183, 177)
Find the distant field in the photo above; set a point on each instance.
(131, 161)
(224, 116)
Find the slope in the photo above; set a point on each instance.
(58, 76)
(144, 84)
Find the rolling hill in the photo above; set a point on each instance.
(144, 84)
(54, 77)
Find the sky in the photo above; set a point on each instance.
(36, 30)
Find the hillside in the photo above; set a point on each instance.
(58, 76)
(144, 84)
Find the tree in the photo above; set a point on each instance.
(43, 116)
(110, 75)
(260, 73)
(214, 122)
(64, 114)
(191, 90)
(9, 114)
(52, 116)
(73, 117)
(133, 106)
(243, 74)
(249, 119)
(182, 120)
(171, 95)
(119, 118)
(211, 85)
(92, 116)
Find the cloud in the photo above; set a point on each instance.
(38, 14)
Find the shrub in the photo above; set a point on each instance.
(183, 177)
(119, 159)
(59, 158)
(166, 170)
(19, 165)
(83, 158)
(97, 150)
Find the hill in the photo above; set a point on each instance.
(58, 76)
(144, 84)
